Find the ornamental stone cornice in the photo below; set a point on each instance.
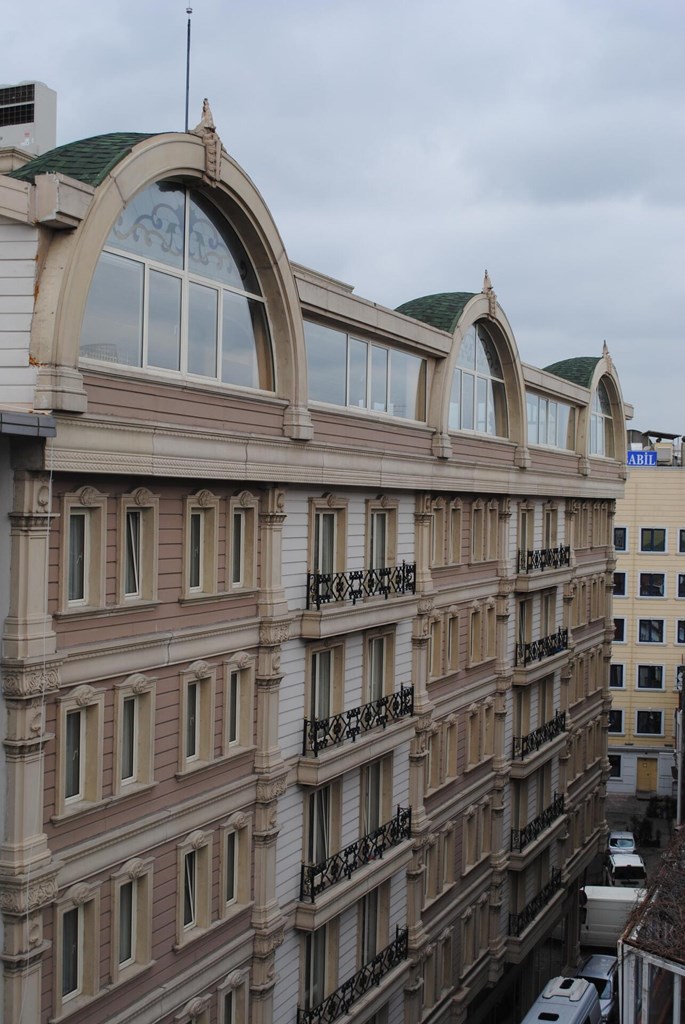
(23, 894)
(23, 681)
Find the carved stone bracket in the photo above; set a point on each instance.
(22, 681)
(21, 895)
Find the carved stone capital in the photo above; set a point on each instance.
(23, 681)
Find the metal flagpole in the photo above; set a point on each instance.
(189, 11)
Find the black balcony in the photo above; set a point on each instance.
(536, 650)
(524, 745)
(519, 922)
(317, 877)
(520, 837)
(319, 733)
(544, 558)
(341, 1001)
(355, 585)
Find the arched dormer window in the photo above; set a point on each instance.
(477, 399)
(175, 292)
(601, 423)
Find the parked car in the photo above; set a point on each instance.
(566, 1000)
(602, 971)
(625, 869)
(622, 842)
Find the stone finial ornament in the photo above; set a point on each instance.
(489, 291)
(206, 130)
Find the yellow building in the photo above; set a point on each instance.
(649, 617)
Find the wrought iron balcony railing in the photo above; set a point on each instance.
(340, 1001)
(545, 647)
(326, 587)
(544, 558)
(319, 733)
(520, 837)
(317, 877)
(524, 745)
(519, 922)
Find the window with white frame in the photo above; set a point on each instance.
(601, 423)
(79, 750)
(242, 541)
(317, 979)
(650, 631)
(653, 539)
(323, 823)
(343, 370)
(132, 918)
(379, 656)
(381, 533)
(615, 766)
(138, 518)
(681, 542)
(238, 702)
(372, 924)
(197, 715)
(83, 550)
(174, 291)
(376, 794)
(201, 545)
(619, 631)
(619, 584)
(194, 885)
(235, 838)
(616, 720)
(681, 584)
(478, 394)
(650, 677)
(680, 631)
(620, 538)
(649, 723)
(652, 584)
(550, 422)
(77, 947)
(327, 535)
(134, 751)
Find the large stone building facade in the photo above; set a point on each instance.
(307, 617)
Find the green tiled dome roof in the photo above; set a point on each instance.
(441, 310)
(88, 160)
(578, 370)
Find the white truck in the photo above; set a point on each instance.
(604, 914)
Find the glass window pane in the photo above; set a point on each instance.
(70, 951)
(552, 424)
(125, 923)
(202, 325)
(407, 385)
(379, 378)
(532, 402)
(215, 251)
(482, 404)
(191, 720)
(233, 706)
(72, 761)
(230, 867)
(189, 888)
(326, 363)
(237, 552)
(132, 567)
(128, 738)
(152, 224)
(77, 557)
(112, 323)
(195, 557)
(358, 355)
(467, 350)
(164, 321)
(455, 402)
(239, 351)
(467, 400)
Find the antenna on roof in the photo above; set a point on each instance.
(189, 11)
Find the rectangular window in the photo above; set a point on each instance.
(78, 558)
(190, 889)
(197, 716)
(653, 539)
(72, 951)
(619, 584)
(616, 720)
(129, 739)
(237, 548)
(651, 631)
(192, 746)
(242, 556)
(614, 766)
(319, 844)
(132, 556)
(681, 584)
(616, 676)
(680, 631)
(650, 677)
(649, 723)
(379, 661)
(378, 540)
(369, 923)
(233, 714)
(619, 631)
(681, 542)
(620, 538)
(127, 921)
(74, 754)
(231, 867)
(652, 584)
(195, 555)
(325, 524)
(376, 787)
(315, 967)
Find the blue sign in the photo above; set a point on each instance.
(641, 459)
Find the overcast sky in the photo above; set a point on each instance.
(405, 147)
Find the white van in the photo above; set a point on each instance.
(567, 1001)
(625, 869)
(604, 913)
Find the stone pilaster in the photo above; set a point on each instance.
(422, 519)
(272, 600)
